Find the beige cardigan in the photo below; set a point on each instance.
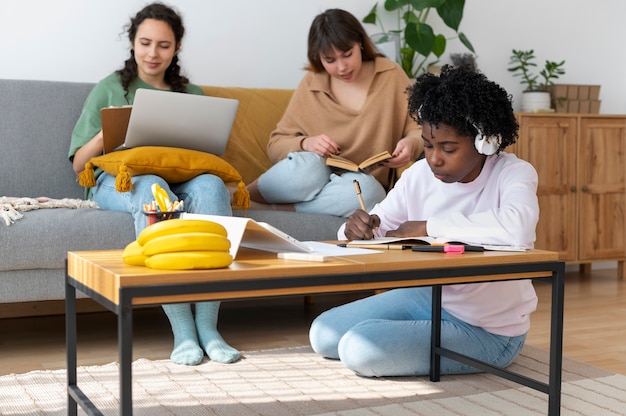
(378, 126)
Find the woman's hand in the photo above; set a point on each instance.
(401, 155)
(92, 148)
(360, 225)
(409, 229)
(321, 144)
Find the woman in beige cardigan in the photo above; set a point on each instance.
(352, 103)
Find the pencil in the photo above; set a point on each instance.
(357, 187)
(382, 246)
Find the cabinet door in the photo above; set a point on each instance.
(602, 196)
(549, 144)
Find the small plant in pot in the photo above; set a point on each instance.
(536, 95)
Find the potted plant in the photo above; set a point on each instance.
(418, 45)
(536, 94)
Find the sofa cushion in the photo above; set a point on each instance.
(37, 120)
(43, 237)
(259, 111)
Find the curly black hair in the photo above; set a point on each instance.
(466, 101)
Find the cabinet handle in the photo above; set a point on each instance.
(573, 189)
(585, 189)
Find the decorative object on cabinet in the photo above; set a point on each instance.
(536, 95)
(464, 60)
(418, 42)
(571, 98)
(582, 184)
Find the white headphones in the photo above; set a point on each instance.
(486, 145)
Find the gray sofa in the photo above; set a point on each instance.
(36, 120)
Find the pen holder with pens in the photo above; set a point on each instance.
(162, 208)
(156, 216)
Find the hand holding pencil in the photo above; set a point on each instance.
(360, 225)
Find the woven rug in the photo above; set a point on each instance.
(295, 381)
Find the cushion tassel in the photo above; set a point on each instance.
(123, 182)
(86, 177)
(241, 197)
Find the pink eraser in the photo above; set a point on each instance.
(454, 248)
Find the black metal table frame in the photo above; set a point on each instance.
(125, 325)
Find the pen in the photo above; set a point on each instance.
(357, 187)
(448, 248)
(376, 246)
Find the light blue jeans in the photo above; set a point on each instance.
(204, 194)
(389, 335)
(303, 179)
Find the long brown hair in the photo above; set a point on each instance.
(156, 11)
(336, 28)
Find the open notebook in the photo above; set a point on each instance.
(428, 240)
(246, 232)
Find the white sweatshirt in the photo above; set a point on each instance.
(498, 207)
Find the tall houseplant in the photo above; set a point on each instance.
(420, 47)
(536, 94)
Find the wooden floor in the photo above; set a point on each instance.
(594, 330)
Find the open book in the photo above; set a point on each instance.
(427, 240)
(246, 232)
(366, 166)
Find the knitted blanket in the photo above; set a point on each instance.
(11, 208)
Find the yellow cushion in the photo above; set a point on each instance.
(174, 165)
(259, 111)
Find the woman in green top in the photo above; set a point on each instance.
(155, 35)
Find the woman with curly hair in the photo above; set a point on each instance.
(467, 189)
(155, 35)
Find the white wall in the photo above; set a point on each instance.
(262, 43)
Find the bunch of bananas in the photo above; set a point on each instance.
(180, 244)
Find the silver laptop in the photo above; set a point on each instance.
(172, 119)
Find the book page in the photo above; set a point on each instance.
(425, 239)
(246, 232)
(372, 162)
(388, 240)
(342, 163)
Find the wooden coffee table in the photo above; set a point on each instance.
(104, 277)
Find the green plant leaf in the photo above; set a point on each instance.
(410, 17)
(425, 4)
(465, 41)
(439, 47)
(391, 5)
(451, 12)
(407, 59)
(371, 17)
(420, 37)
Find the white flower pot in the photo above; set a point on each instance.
(535, 101)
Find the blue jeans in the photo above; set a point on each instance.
(303, 179)
(204, 194)
(389, 335)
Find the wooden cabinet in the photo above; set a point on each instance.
(582, 184)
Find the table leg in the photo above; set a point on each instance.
(125, 345)
(70, 345)
(435, 337)
(556, 341)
